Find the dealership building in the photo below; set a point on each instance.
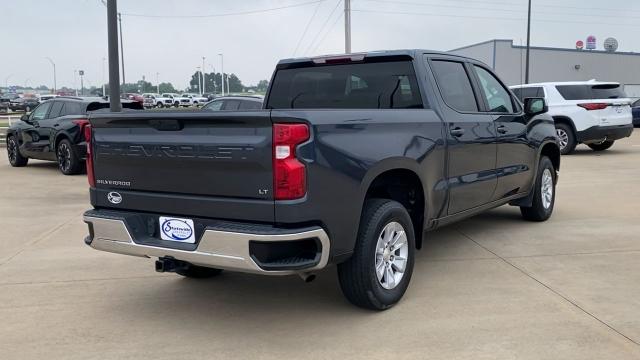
(557, 64)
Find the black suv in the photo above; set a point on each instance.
(54, 131)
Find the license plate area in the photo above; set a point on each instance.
(177, 229)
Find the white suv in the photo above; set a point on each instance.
(589, 112)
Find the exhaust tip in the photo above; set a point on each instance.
(307, 277)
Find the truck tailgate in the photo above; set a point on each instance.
(214, 161)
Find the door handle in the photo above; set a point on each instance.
(457, 132)
(502, 129)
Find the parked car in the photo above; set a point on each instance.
(134, 97)
(589, 112)
(234, 103)
(635, 109)
(164, 100)
(352, 159)
(151, 100)
(178, 100)
(197, 100)
(54, 131)
(23, 104)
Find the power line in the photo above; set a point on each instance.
(306, 28)
(340, 15)
(225, 14)
(412, 3)
(323, 26)
(490, 17)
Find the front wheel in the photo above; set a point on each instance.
(601, 146)
(13, 152)
(378, 273)
(544, 195)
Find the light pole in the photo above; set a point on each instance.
(347, 26)
(199, 72)
(81, 72)
(222, 70)
(75, 81)
(112, 41)
(526, 70)
(204, 71)
(121, 50)
(158, 82)
(54, 74)
(104, 59)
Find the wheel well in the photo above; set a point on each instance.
(565, 120)
(57, 142)
(552, 151)
(405, 187)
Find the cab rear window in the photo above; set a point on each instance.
(380, 85)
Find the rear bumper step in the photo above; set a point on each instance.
(273, 251)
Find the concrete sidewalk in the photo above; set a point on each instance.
(491, 287)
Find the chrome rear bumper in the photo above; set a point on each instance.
(220, 249)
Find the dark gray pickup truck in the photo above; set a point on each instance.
(352, 159)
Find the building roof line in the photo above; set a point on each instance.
(548, 48)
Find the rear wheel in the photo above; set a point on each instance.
(69, 162)
(13, 153)
(378, 273)
(544, 195)
(601, 146)
(198, 272)
(566, 138)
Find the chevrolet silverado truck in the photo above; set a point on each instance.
(350, 162)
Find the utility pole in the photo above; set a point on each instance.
(222, 70)
(347, 26)
(203, 78)
(158, 82)
(526, 71)
(54, 74)
(81, 72)
(112, 35)
(121, 51)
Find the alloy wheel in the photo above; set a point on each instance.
(563, 137)
(12, 150)
(547, 188)
(392, 250)
(64, 157)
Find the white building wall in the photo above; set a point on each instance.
(551, 64)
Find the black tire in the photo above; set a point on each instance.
(176, 104)
(538, 211)
(159, 105)
(562, 130)
(198, 272)
(69, 162)
(13, 153)
(601, 146)
(358, 279)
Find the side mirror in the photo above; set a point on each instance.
(535, 106)
(25, 117)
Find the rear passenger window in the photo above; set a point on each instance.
(231, 105)
(454, 84)
(56, 108)
(72, 108)
(250, 105)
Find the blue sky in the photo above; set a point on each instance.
(73, 32)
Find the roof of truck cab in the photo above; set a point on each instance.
(412, 53)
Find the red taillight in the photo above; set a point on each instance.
(87, 131)
(594, 106)
(289, 174)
